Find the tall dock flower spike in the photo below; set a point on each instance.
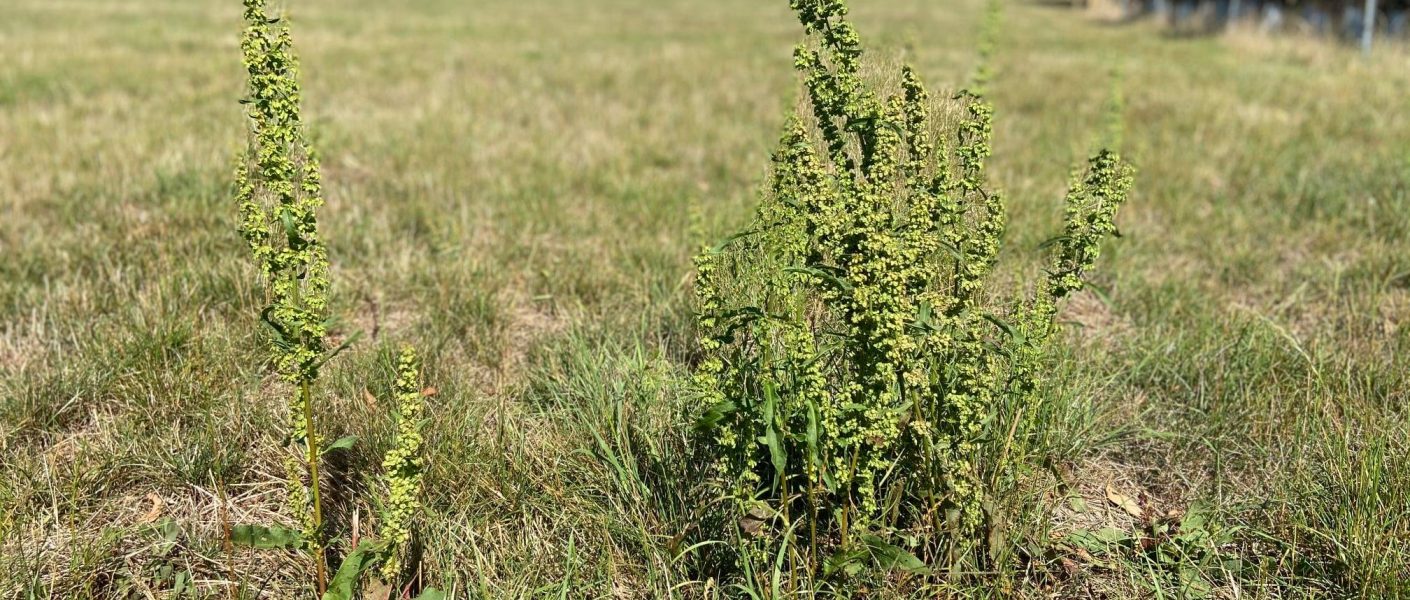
(403, 465)
(278, 189)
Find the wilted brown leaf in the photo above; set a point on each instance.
(753, 522)
(153, 512)
(376, 589)
(1126, 503)
(1085, 556)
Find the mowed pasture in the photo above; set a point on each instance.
(518, 187)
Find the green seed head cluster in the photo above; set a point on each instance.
(301, 501)
(279, 190)
(1092, 201)
(850, 364)
(403, 464)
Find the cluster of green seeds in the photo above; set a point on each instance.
(402, 465)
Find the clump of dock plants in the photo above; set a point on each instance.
(855, 351)
(279, 191)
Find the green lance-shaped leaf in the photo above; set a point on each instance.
(359, 561)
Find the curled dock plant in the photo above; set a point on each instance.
(279, 190)
(854, 358)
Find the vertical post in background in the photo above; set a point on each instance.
(1368, 26)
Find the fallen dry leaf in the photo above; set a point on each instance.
(376, 589)
(430, 391)
(1085, 556)
(153, 512)
(753, 522)
(1125, 502)
(1070, 567)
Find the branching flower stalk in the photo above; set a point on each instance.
(852, 360)
(402, 466)
(278, 189)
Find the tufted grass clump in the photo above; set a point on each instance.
(857, 355)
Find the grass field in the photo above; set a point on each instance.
(518, 186)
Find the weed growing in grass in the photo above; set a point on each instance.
(279, 190)
(402, 467)
(854, 367)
